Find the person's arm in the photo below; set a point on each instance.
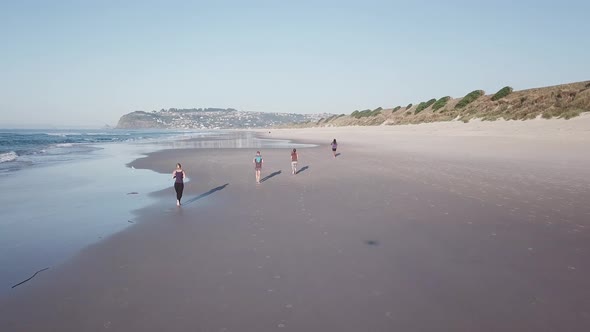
(183, 174)
(174, 174)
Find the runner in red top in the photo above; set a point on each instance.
(294, 161)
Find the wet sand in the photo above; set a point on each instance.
(409, 229)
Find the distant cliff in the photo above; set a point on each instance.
(211, 118)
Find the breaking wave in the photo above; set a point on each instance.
(8, 156)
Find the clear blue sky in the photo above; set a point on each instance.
(86, 63)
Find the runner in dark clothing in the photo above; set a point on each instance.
(179, 175)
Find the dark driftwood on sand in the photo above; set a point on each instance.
(33, 276)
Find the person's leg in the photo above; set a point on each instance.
(181, 186)
(257, 175)
(177, 189)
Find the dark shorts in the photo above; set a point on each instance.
(257, 168)
(333, 149)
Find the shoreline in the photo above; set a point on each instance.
(396, 228)
(50, 212)
(118, 218)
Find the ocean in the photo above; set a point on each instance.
(63, 190)
(23, 148)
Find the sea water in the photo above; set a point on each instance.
(22, 148)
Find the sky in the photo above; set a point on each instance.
(86, 63)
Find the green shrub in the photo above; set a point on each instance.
(409, 106)
(424, 105)
(469, 98)
(397, 108)
(376, 111)
(360, 114)
(366, 113)
(440, 103)
(505, 91)
(419, 107)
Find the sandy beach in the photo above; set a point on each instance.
(450, 226)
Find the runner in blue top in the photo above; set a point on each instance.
(258, 161)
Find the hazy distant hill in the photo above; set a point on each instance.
(560, 101)
(211, 118)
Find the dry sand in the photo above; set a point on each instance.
(434, 227)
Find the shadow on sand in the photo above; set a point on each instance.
(338, 154)
(270, 176)
(203, 195)
(303, 169)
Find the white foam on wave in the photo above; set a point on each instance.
(8, 156)
(63, 134)
(64, 145)
(97, 134)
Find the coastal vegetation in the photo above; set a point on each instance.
(440, 103)
(424, 105)
(562, 101)
(469, 98)
(366, 113)
(505, 91)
